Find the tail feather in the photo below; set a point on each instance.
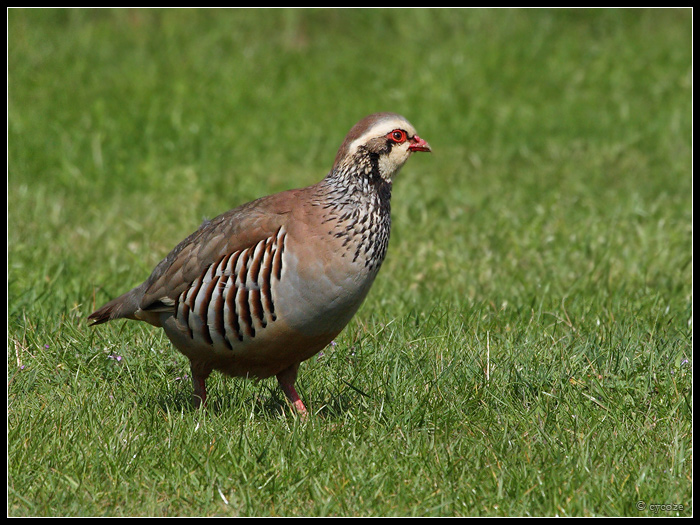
(122, 307)
(103, 314)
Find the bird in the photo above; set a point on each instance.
(267, 285)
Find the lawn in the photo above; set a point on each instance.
(527, 347)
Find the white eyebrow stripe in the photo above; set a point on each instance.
(380, 129)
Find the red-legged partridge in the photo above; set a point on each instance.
(263, 287)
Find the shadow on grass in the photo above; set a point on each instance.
(266, 403)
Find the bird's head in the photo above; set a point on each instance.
(382, 143)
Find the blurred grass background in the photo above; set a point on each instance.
(527, 348)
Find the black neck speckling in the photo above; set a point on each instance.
(357, 209)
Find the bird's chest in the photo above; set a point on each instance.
(325, 278)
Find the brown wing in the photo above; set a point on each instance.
(230, 232)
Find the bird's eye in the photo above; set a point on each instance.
(398, 136)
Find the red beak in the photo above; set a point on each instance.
(418, 144)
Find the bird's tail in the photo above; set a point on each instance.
(123, 306)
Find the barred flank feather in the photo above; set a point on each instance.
(232, 299)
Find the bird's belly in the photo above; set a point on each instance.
(266, 353)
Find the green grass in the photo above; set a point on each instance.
(527, 347)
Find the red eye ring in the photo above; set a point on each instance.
(398, 136)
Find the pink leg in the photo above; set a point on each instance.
(199, 379)
(286, 380)
(200, 392)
